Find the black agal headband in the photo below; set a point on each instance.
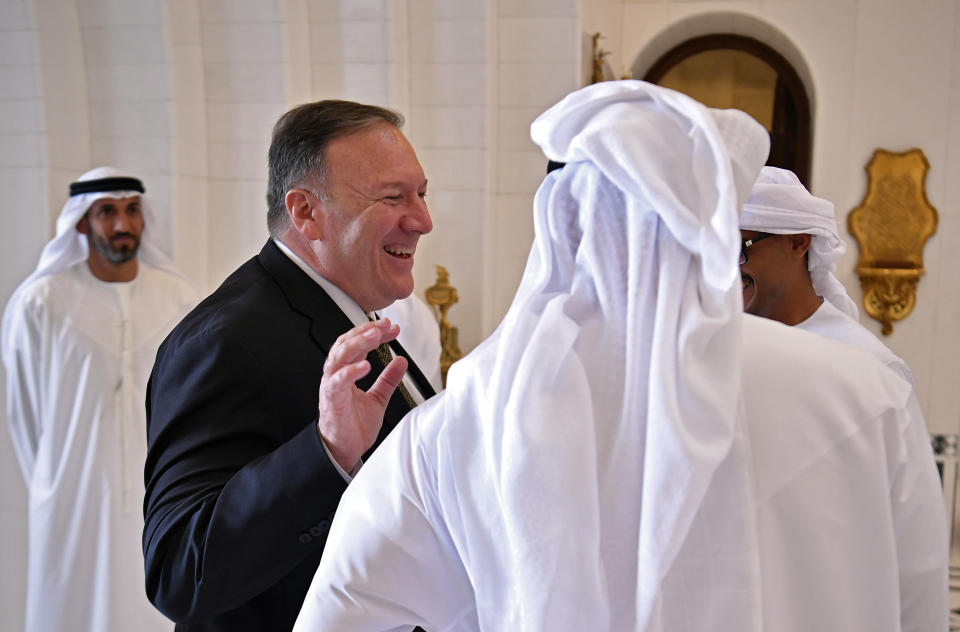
(106, 184)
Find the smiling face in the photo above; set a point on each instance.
(372, 215)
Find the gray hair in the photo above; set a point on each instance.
(300, 138)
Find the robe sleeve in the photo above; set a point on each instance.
(396, 565)
(921, 530)
(24, 364)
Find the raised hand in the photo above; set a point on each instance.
(350, 418)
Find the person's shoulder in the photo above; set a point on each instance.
(50, 290)
(243, 303)
(37, 291)
(161, 275)
(773, 344)
(833, 323)
(168, 281)
(411, 309)
(798, 368)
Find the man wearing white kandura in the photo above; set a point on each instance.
(79, 338)
(787, 261)
(629, 451)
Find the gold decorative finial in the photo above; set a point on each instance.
(441, 296)
(891, 226)
(598, 55)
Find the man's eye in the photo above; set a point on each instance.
(423, 195)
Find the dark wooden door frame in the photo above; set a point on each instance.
(785, 73)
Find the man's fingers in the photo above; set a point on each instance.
(387, 382)
(358, 342)
(337, 387)
(389, 331)
(352, 346)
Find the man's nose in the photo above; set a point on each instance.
(417, 219)
(122, 223)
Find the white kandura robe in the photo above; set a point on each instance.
(851, 526)
(829, 321)
(83, 350)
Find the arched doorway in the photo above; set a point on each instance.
(726, 70)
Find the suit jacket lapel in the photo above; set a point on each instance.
(305, 297)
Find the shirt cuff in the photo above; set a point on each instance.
(347, 476)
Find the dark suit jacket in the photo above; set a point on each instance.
(239, 490)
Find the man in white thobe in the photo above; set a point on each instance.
(788, 258)
(79, 339)
(628, 451)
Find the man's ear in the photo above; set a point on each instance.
(303, 213)
(83, 226)
(799, 244)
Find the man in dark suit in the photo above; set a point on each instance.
(246, 463)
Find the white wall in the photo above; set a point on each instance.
(539, 63)
(23, 179)
(450, 71)
(242, 53)
(186, 92)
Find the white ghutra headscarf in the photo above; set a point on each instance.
(781, 205)
(69, 247)
(591, 432)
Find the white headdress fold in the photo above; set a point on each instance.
(608, 398)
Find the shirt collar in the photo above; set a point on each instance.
(347, 305)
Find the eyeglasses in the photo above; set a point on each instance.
(749, 242)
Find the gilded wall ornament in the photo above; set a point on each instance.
(441, 296)
(597, 55)
(891, 226)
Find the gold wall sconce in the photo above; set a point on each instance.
(441, 296)
(891, 225)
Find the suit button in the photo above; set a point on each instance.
(316, 531)
(305, 538)
(325, 525)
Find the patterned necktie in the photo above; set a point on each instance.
(383, 352)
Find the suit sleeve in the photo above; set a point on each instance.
(230, 509)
